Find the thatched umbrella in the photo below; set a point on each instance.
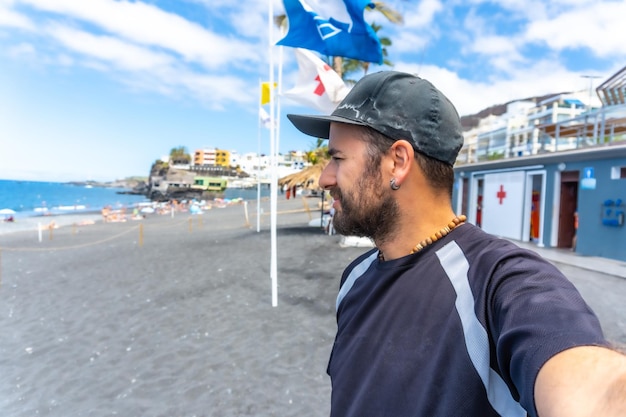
(308, 178)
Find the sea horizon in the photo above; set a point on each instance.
(43, 198)
(37, 198)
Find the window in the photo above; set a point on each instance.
(618, 173)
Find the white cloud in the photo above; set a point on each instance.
(148, 25)
(540, 78)
(419, 28)
(597, 26)
(116, 52)
(494, 45)
(149, 48)
(21, 50)
(423, 16)
(144, 48)
(10, 18)
(65, 60)
(466, 96)
(502, 53)
(216, 91)
(250, 24)
(409, 42)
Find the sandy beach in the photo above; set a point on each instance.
(33, 224)
(169, 316)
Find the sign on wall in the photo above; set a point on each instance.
(588, 181)
(503, 204)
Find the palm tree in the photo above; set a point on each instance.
(391, 15)
(344, 66)
(349, 65)
(180, 155)
(319, 152)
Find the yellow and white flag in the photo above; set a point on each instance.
(265, 119)
(265, 92)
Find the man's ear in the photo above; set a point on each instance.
(402, 155)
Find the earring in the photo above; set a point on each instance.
(393, 184)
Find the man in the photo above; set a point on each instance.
(442, 319)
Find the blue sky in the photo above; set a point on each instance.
(99, 89)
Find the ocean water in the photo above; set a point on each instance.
(34, 198)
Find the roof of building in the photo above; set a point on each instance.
(613, 91)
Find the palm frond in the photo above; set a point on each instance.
(390, 14)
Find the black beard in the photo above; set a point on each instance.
(367, 211)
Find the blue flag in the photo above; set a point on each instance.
(350, 38)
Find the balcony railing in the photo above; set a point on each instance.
(595, 128)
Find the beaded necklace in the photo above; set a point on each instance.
(454, 223)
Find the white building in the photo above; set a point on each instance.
(260, 165)
(525, 129)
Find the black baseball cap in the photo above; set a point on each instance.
(400, 106)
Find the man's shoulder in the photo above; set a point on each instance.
(363, 261)
(476, 243)
(488, 255)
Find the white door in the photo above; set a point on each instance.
(503, 204)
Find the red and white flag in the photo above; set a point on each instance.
(318, 85)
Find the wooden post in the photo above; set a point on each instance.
(306, 207)
(245, 210)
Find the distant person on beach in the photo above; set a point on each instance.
(329, 224)
(106, 211)
(442, 319)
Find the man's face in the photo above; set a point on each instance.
(363, 201)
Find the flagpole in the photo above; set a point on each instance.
(274, 174)
(280, 83)
(258, 164)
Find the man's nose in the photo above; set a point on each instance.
(327, 180)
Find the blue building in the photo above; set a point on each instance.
(572, 199)
(553, 172)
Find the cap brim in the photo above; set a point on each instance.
(318, 126)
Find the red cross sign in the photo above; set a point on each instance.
(319, 90)
(501, 194)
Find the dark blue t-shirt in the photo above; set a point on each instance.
(458, 329)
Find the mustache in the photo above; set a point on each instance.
(336, 194)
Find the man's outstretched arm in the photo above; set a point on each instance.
(584, 381)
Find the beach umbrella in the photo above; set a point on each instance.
(7, 212)
(308, 178)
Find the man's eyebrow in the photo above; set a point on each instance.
(333, 151)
